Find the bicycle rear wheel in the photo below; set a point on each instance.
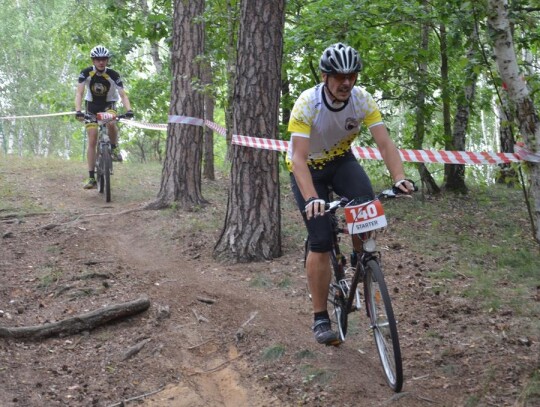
(383, 324)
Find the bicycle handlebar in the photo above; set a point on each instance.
(393, 192)
(92, 117)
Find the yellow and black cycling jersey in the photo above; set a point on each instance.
(331, 130)
(102, 87)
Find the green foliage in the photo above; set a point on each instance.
(273, 352)
(46, 44)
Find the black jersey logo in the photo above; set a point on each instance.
(351, 123)
(99, 89)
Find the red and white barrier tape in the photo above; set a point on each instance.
(35, 115)
(368, 153)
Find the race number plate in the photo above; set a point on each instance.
(105, 116)
(365, 217)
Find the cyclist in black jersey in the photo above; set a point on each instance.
(324, 122)
(103, 89)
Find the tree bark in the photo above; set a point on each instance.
(208, 143)
(420, 129)
(518, 92)
(455, 173)
(181, 175)
(252, 229)
(78, 323)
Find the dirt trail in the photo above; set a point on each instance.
(215, 335)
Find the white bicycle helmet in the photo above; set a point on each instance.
(340, 58)
(100, 51)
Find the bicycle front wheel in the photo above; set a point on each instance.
(383, 324)
(104, 173)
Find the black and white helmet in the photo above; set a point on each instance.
(100, 51)
(340, 58)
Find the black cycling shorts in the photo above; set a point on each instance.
(347, 178)
(95, 108)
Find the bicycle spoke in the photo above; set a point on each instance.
(383, 325)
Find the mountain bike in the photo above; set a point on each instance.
(104, 162)
(363, 219)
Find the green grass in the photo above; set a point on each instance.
(313, 374)
(51, 274)
(273, 353)
(484, 237)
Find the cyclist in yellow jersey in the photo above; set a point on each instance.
(324, 122)
(104, 88)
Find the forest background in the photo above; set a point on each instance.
(435, 70)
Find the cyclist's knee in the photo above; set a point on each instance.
(320, 245)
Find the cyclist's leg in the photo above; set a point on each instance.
(318, 269)
(91, 132)
(112, 128)
(318, 259)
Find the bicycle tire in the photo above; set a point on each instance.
(337, 304)
(107, 168)
(99, 172)
(383, 324)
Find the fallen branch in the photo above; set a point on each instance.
(200, 318)
(135, 349)
(142, 396)
(78, 323)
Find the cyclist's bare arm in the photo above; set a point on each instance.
(79, 96)
(302, 174)
(390, 155)
(124, 98)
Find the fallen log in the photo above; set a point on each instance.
(78, 323)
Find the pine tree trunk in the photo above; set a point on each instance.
(252, 228)
(181, 175)
(208, 150)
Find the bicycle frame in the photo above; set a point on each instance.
(104, 163)
(344, 294)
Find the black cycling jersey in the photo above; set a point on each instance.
(102, 87)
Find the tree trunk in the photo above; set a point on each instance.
(529, 124)
(252, 228)
(507, 174)
(232, 12)
(455, 173)
(208, 144)
(418, 140)
(181, 175)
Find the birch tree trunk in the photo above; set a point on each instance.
(181, 175)
(529, 124)
(252, 228)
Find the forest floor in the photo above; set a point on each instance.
(218, 334)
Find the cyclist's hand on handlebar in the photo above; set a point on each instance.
(79, 115)
(314, 207)
(129, 114)
(405, 186)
